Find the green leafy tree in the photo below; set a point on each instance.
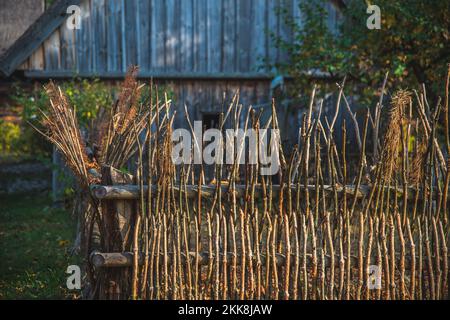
(86, 96)
(412, 45)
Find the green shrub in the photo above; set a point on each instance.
(86, 96)
(9, 136)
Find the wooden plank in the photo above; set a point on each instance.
(186, 40)
(123, 36)
(153, 36)
(111, 260)
(37, 59)
(67, 41)
(130, 33)
(177, 35)
(100, 35)
(244, 35)
(214, 35)
(88, 32)
(258, 45)
(93, 36)
(195, 35)
(263, 98)
(51, 52)
(178, 105)
(218, 91)
(200, 40)
(144, 55)
(125, 259)
(170, 35)
(83, 39)
(137, 43)
(113, 29)
(132, 192)
(189, 100)
(159, 15)
(229, 36)
(272, 27)
(118, 214)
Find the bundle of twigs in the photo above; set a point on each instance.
(63, 132)
(126, 120)
(115, 130)
(392, 139)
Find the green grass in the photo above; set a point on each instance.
(34, 244)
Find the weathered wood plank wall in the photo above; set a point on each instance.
(204, 47)
(169, 36)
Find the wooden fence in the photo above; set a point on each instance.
(279, 256)
(325, 226)
(304, 234)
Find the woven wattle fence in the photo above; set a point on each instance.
(326, 226)
(310, 235)
(271, 255)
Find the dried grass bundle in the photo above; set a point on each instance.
(126, 120)
(129, 96)
(63, 132)
(416, 173)
(392, 139)
(113, 136)
(97, 129)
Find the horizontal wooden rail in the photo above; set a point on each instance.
(131, 192)
(125, 259)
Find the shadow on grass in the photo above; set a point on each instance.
(35, 240)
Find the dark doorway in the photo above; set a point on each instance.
(211, 121)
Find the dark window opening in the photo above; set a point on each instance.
(211, 121)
